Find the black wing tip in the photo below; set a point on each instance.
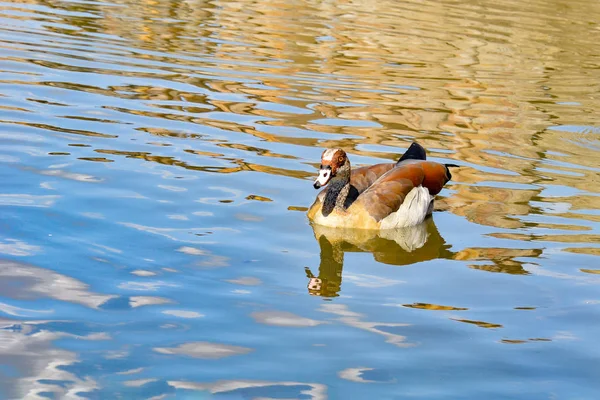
(414, 152)
(448, 166)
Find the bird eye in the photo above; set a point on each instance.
(341, 159)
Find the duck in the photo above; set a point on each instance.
(377, 197)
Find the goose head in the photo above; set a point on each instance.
(335, 166)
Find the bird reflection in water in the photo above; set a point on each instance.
(403, 246)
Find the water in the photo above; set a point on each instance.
(156, 160)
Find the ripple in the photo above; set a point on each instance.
(314, 391)
(39, 363)
(28, 200)
(481, 324)
(356, 375)
(282, 318)
(246, 281)
(354, 320)
(146, 286)
(183, 313)
(426, 306)
(161, 141)
(138, 301)
(205, 350)
(19, 248)
(33, 282)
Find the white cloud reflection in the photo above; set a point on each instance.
(206, 350)
(39, 366)
(145, 286)
(245, 281)
(27, 200)
(183, 313)
(14, 247)
(353, 319)
(138, 301)
(285, 319)
(25, 281)
(355, 375)
(315, 391)
(370, 281)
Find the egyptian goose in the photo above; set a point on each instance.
(382, 196)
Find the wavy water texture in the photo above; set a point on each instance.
(155, 165)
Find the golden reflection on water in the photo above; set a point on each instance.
(365, 77)
(453, 90)
(481, 324)
(396, 247)
(405, 246)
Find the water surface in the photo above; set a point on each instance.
(156, 160)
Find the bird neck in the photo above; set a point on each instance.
(336, 195)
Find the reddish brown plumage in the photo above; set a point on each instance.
(435, 176)
(362, 178)
(389, 191)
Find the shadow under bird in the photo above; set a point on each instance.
(381, 196)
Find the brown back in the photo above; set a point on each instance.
(362, 178)
(388, 192)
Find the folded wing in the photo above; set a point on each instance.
(362, 178)
(388, 192)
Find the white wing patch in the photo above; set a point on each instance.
(412, 211)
